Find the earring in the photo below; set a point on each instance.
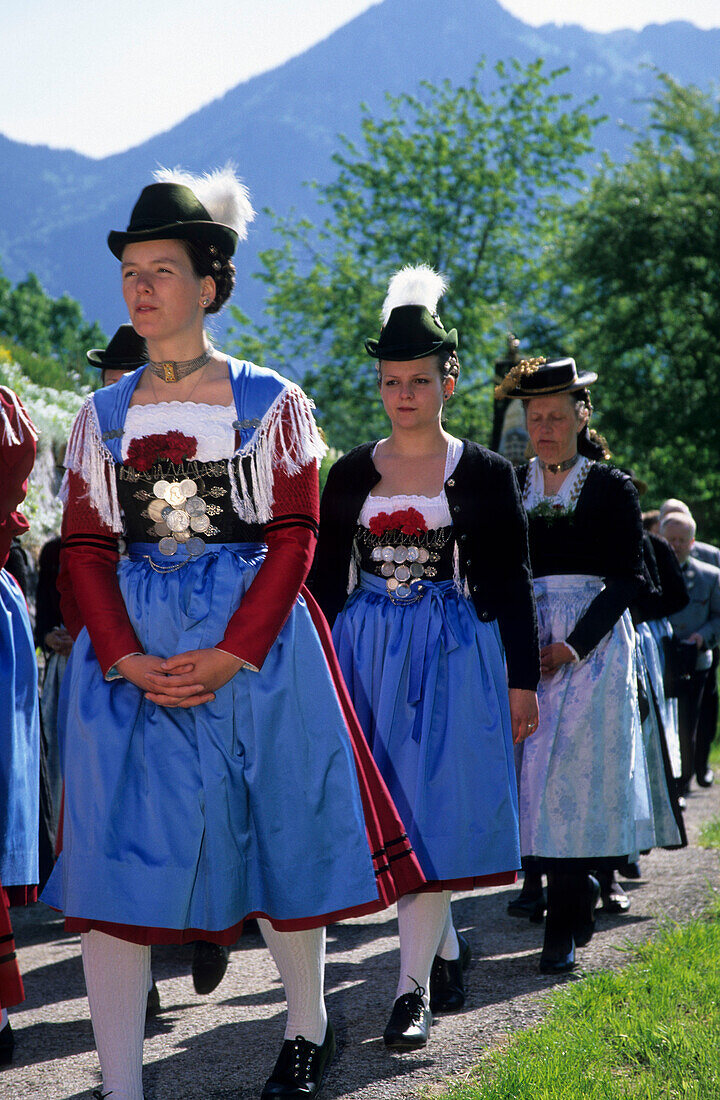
(204, 301)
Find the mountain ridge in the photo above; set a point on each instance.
(280, 127)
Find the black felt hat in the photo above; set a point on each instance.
(411, 327)
(412, 332)
(531, 378)
(171, 211)
(126, 351)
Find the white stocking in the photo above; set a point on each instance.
(300, 959)
(421, 921)
(449, 946)
(116, 975)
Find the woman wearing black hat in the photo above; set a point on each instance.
(582, 779)
(209, 772)
(433, 602)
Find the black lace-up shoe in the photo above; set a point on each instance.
(409, 1025)
(300, 1068)
(447, 988)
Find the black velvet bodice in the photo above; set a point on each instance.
(404, 561)
(174, 503)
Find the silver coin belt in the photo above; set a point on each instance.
(404, 564)
(180, 517)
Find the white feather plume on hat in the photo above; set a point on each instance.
(414, 286)
(224, 196)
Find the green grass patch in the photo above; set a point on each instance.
(646, 1032)
(710, 834)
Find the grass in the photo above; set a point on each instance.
(650, 1031)
(647, 1032)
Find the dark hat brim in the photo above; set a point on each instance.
(222, 236)
(96, 357)
(400, 353)
(583, 380)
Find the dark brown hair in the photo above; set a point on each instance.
(203, 258)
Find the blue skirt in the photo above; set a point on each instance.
(195, 818)
(19, 740)
(428, 684)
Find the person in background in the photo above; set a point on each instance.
(19, 713)
(699, 625)
(582, 779)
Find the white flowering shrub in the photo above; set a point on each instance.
(52, 412)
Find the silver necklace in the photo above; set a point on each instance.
(172, 371)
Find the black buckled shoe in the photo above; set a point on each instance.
(409, 1025)
(447, 988)
(7, 1045)
(300, 1068)
(210, 961)
(153, 1001)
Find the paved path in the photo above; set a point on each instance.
(222, 1047)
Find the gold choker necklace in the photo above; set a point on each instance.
(171, 371)
(559, 467)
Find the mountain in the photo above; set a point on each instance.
(280, 128)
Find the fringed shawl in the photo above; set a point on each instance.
(13, 436)
(274, 419)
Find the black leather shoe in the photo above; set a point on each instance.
(558, 955)
(584, 925)
(530, 906)
(447, 988)
(209, 964)
(7, 1045)
(630, 870)
(706, 779)
(409, 1025)
(300, 1068)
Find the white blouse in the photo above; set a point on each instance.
(210, 425)
(435, 510)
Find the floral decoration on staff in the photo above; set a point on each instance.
(408, 521)
(143, 453)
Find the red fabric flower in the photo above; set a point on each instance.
(144, 453)
(408, 520)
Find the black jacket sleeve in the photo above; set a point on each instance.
(620, 523)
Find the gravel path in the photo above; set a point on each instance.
(222, 1047)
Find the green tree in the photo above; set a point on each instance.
(51, 328)
(641, 271)
(465, 179)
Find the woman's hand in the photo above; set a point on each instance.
(523, 713)
(553, 656)
(189, 679)
(146, 672)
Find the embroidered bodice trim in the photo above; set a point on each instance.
(566, 498)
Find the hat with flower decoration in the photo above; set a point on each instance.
(541, 377)
(411, 328)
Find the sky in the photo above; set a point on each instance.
(99, 76)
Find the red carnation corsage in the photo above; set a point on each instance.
(408, 520)
(143, 453)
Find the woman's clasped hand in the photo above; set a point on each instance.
(186, 680)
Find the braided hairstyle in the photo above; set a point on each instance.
(206, 259)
